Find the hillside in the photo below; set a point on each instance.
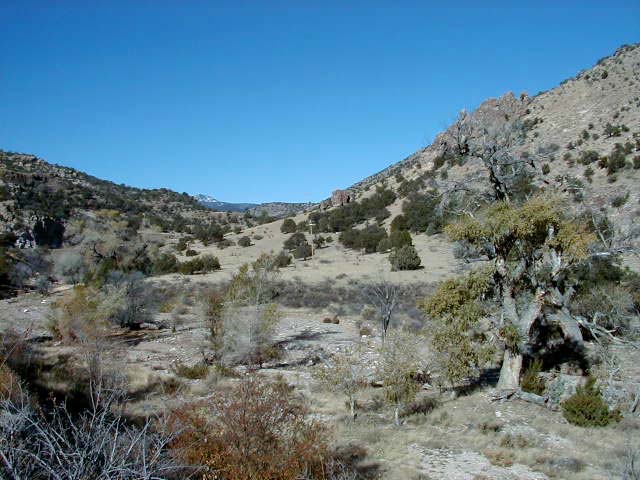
(34, 191)
(583, 138)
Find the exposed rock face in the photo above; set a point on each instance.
(48, 232)
(326, 204)
(44, 232)
(340, 198)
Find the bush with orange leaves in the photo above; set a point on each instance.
(256, 430)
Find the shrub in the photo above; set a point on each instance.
(194, 372)
(247, 318)
(288, 226)
(612, 131)
(129, 299)
(588, 157)
(367, 239)
(420, 212)
(405, 258)
(294, 240)
(94, 443)
(546, 169)
(399, 222)
(607, 304)
(10, 385)
(191, 253)
(208, 233)
(255, 430)
(345, 373)
(588, 174)
(182, 244)
(587, 407)
(400, 238)
(384, 245)
(224, 243)
(531, 380)
(244, 241)
(203, 264)
(302, 251)
(616, 161)
(283, 259)
(619, 200)
(165, 263)
(347, 216)
(636, 162)
(78, 315)
(399, 363)
(319, 241)
(70, 267)
(370, 237)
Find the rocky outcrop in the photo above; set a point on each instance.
(45, 232)
(340, 198)
(48, 232)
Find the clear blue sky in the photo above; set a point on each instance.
(264, 101)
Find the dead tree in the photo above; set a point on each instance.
(384, 295)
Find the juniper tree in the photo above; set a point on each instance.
(531, 249)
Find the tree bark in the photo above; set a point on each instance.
(510, 371)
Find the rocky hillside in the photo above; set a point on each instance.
(582, 138)
(37, 196)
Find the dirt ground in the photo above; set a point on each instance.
(468, 437)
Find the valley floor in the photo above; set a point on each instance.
(458, 438)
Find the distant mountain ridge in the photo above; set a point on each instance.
(273, 209)
(215, 204)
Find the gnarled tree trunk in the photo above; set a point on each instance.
(510, 371)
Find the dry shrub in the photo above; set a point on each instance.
(194, 372)
(490, 426)
(257, 430)
(10, 386)
(366, 330)
(518, 441)
(531, 380)
(171, 386)
(499, 457)
(423, 406)
(78, 315)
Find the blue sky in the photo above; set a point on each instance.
(265, 101)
